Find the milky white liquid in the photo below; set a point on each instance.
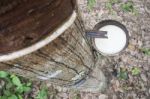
(116, 40)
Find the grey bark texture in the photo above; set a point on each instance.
(65, 61)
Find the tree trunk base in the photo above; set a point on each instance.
(95, 82)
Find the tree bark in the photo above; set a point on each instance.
(65, 61)
(25, 22)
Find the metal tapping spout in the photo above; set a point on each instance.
(96, 34)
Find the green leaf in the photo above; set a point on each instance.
(12, 97)
(135, 71)
(77, 96)
(19, 89)
(109, 6)
(13, 88)
(113, 1)
(29, 84)
(43, 94)
(128, 7)
(7, 93)
(146, 51)
(26, 89)
(91, 3)
(20, 97)
(123, 74)
(3, 74)
(16, 81)
(3, 97)
(9, 85)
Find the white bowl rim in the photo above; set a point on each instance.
(115, 23)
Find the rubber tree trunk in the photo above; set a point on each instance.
(66, 60)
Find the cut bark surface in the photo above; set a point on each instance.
(24, 22)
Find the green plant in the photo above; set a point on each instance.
(43, 93)
(109, 5)
(146, 51)
(128, 7)
(91, 3)
(77, 96)
(135, 71)
(123, 74)
(13, 87)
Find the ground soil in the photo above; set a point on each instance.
(138, 25)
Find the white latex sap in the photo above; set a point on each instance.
(116, 40)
